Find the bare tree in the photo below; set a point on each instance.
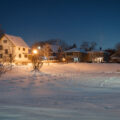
(3, 67)
(85, 46)
(88, 46)
(47, 51)
(92, 45)
(43, 50)
(58, 42)
(117, 46)
(37, 61)
(1, 32)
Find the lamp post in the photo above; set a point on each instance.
(39, 47)
(35, 51)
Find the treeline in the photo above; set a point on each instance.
(86, 46)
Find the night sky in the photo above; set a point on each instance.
(74, 21)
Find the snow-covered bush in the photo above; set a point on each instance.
(5, 68)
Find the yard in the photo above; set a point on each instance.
(78, 91)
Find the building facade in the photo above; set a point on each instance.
(13, 48)
(97, 56)
(74, 55)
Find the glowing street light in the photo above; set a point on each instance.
(39, 47)
(35, 51)
(63, 59)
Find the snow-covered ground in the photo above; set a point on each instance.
(61, 92)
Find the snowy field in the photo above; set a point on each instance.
(61, 92)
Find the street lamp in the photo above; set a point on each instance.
(39, 47)
(37, 64)
(35, 51)
(63, 59)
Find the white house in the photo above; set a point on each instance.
(13, 47)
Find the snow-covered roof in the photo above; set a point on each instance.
(17, 41)
(75, 50)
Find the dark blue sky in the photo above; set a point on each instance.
(74, 21)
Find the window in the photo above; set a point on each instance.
(6, 51)
(4, 41)
(70, 53)
(54, 54)
(25, 56)
(18, 48)
(23, 49)
(1, 47)
(10, 55)
(0, 55)
(19, 55)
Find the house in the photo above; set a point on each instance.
(115, 57)
(74, 55)
(13, 47)
(97, 56)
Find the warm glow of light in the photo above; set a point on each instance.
(39, 47)
(35, 51)
(63, 59)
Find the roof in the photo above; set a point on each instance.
(17, 41)
(118, 58)
(97, 51)
(74, 50)
(116, 55)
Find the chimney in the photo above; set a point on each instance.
(100, 48)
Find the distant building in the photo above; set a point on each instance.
(13, 47)
(54, 52)
(116, 57)
(49, 52)
(97, 56)
(74, 55)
